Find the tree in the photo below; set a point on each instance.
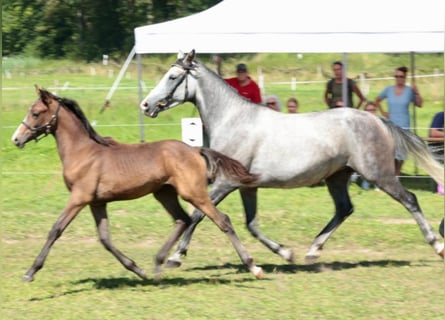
(84, 29)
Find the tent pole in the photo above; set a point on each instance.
(413, 80)
(141, 115)
(414, 117)
(119, 77)
(344, 80)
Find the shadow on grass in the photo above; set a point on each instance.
(124, 282)
(312, 268)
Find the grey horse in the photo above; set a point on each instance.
(293, 150)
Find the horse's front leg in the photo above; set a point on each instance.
(101, 218)
(249, 198)
(338, 189)
(68, 214)
(217, 194)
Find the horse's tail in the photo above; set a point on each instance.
(407, 142)
(218, 164)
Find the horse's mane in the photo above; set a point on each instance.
(74, 107)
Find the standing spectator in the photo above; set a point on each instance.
(399, 97)
(292, 105)
(333, 93)
(243, 83)
(273, 102)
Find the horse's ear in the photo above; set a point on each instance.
(190, 57)
(46, 96)
(180, 55)
(37, 89)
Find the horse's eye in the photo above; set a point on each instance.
(173, 77)
(35, 115)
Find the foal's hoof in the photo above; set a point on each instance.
(311, 259)
(441, 253)
(28, 278)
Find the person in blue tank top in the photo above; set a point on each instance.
(399, 98)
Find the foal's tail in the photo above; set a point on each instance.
(407, 142)
(219, 164)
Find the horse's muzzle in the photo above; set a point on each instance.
(152, 112)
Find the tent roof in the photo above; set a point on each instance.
(251, 26)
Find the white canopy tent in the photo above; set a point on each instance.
(315, 26)
(243, 26)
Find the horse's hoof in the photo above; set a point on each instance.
(439, 248)
(171, 263)
(258, 272)
(28, 278)
(142, 274)
(288, 255)
(311, 259)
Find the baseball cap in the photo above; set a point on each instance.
(241, 68)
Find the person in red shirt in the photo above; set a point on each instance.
(243, 83)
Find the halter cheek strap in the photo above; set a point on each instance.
(47, 126)
(187, 70)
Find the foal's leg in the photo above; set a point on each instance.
(168, 197)
(203, 203)
(249, 198)
(101, 218)
(69, 213)
(392, 186)
(338, 188)
(217, 194)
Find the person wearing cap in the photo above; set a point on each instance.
(243, 83)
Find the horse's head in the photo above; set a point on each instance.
(40, 119)
(174, 87)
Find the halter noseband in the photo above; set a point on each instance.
(51, 122)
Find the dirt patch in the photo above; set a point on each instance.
(397, 221)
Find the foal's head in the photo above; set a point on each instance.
(42, 119)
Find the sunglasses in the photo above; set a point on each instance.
(399, 76)
(270, 103)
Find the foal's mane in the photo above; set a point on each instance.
(74, 107)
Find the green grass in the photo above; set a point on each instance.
(376, 266)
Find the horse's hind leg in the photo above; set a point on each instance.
(168, 197)
(217, 194)
(338, 188)
(249, 198)
(203, 203)
(392, 186)
(101, 218)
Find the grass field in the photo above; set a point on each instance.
(376, 266)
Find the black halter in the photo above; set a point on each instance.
(187, 70)
(37, 131)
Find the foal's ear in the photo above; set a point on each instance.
(45, 95)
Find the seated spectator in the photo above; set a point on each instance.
(292, 105)
(272, 101)
(370, 106)
(436, 131)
